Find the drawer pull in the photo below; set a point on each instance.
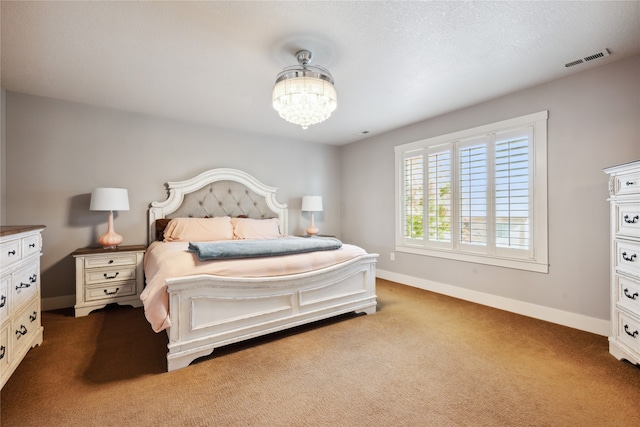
(23, 285)
(116, 275)
(23, 331)
(111, 293)
(3, 301)
(631, 334)
(32, 245)
(632, 220)
(631, 258)
(626, 294)
(3, 349)
(34, 278)
(33, 316)
(628, 183)
(13, 252)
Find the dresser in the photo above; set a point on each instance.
(20, 326)
(624, 192)
(108, 276)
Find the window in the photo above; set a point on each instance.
(478, 195)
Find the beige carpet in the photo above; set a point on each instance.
(423, 360)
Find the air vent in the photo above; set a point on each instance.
(592, 57)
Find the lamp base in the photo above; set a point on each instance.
(110, 239)
(312, 231)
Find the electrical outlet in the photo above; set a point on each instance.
(392, 256)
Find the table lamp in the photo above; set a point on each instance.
(312, 204)
(110, 199)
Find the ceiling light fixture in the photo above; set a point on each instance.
(304, 94)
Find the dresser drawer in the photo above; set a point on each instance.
(627, 183)
(628, 293)
(4, 297)
(25, 284)
(628, 220)
(112, 291)
(10, 251)
(4, 348)
(31, 245)
(629, 331)
(110, 261)
(627, 257)
(105, 275)
(25, 326)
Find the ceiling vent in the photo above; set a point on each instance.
(589, 58)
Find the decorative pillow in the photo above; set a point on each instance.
(249, 228)
(198, 229)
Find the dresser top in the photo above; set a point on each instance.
(7, 230)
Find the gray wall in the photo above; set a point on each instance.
(594, 122)
(57, 152)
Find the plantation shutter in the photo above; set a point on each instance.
(439, 174)
(413, 184)
(473, 166)
(513, 193)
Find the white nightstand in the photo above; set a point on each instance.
(106, 276)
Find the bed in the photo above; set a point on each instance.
(205, 304)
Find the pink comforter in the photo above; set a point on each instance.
(165, 260)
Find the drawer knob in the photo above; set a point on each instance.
(3, 301)
(632, 220)
(111, 277)
(630, 258)
(33, 316)
(631, 334)
(33, 279)
(2, 351)
(110, 261)
(23, 331)
(111, 293)
(626, 294)
(32, 245)
(13, 252)
(628, 183)
(23, 285)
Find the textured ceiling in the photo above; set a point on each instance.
(394, 63)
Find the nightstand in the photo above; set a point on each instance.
(107, 276)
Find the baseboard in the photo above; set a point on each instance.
(565, 318)
(57, 303)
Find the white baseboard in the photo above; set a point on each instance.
(56, 303)
(565, 318)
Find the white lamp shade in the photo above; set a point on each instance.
(109, 199)
(312, 204)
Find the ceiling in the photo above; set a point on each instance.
(394, 63)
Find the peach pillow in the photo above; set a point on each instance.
(248, 228)
(198, 229)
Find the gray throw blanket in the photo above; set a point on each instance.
(231, 249)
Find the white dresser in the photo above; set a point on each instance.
(624, 191)
(20, 326)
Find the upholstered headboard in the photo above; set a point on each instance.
(219, 192)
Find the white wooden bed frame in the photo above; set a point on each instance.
(209, 311)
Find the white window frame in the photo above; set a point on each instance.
(537, 257)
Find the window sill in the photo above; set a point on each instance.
(478, 259)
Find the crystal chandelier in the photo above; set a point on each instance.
(304, 94)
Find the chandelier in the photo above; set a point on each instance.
(304, 94)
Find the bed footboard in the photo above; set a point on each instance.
(212, 311)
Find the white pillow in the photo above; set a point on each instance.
(249, 228)
(198, 229)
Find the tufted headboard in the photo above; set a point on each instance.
(218, 192)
